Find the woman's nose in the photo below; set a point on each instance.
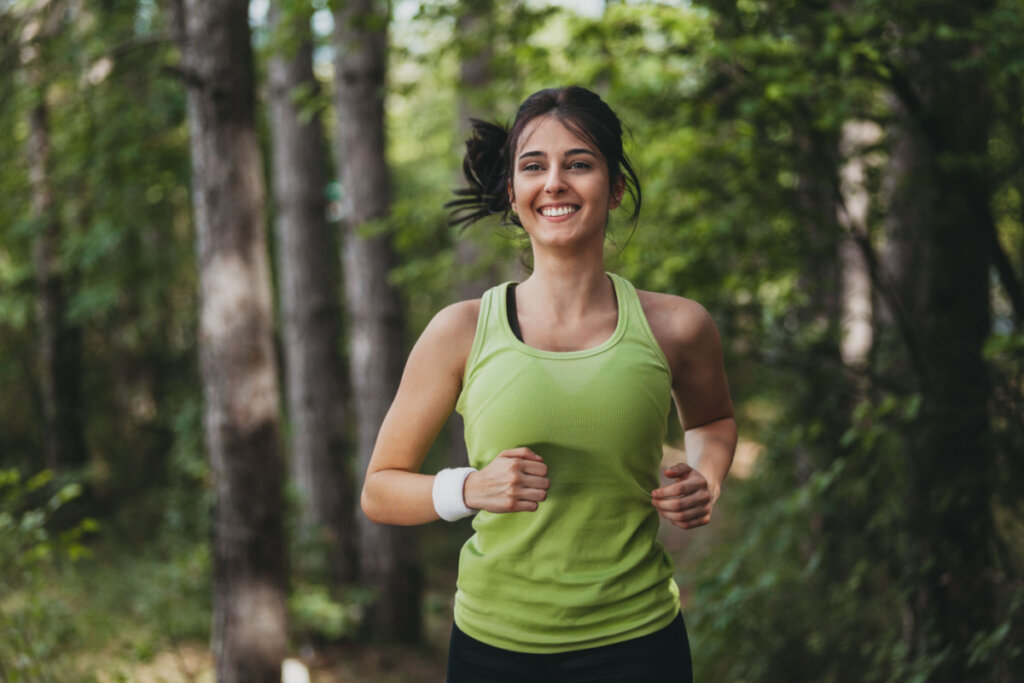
(554, 182)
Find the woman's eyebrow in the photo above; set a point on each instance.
(571, 152)
(524, 155)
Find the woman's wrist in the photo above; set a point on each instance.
(449, 493)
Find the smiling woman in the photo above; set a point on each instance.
(489, 165)
(565, 382)
(560, 189)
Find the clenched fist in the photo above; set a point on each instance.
(686, 502)
(515, 481)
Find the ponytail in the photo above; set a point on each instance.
(485, 167)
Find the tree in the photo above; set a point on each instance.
(475, 36)
(942, 205)
(388, 555)
(853, 213)
(309, 296)
(240, 386)
(60, 340)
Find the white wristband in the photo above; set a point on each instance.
(449, 500)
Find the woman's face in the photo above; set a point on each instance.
(560, 186)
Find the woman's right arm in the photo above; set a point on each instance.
(394, 491)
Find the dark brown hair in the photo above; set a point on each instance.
(489, 165)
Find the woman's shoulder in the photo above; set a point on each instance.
(440, 353)
(683, 328)
(454, 322)
(674, 317)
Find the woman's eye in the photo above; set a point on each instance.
(579, 165)
(531, 167)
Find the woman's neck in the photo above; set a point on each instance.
(567, 287)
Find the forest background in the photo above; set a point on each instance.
(232, 215)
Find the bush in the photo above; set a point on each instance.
(33, 624)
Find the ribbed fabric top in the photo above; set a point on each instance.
(585, 569)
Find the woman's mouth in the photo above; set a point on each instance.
(558, 211)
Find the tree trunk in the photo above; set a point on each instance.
(309, 302)
(388, 556)
(856, 290)
(236, 351)
(821, 393)
(475, 28)
(905, 194)
(60, 342)
(943, 147)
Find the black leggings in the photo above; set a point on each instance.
(662, 656)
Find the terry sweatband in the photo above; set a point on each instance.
(449, 500)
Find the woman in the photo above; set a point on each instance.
(564, 381)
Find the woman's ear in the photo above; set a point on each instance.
(618, 189)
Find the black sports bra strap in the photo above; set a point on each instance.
(510, 306)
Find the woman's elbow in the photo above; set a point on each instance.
(367, 503)
(392, 496)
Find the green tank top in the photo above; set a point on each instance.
(585, 569)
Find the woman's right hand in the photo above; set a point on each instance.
(515, 481)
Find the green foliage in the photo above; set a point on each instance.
(173, 597)
(119, 176)
(807, 587)
(34, 625)
(1002, 642)
(131, 601)
(119, 172)
(188, 494)
(315, 616)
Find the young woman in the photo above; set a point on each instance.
(565, 382)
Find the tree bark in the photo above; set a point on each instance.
(60, 342)
(388, 556)
(309, 299)
(822, 393)
(942, 146)
(856, 290)
(475, 29)
(236, 350)
(908, 210)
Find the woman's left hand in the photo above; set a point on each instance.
(687, 501)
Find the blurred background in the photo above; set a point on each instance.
(222, 226)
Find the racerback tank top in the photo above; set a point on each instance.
(585, 569)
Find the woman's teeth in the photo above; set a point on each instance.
(552, 212)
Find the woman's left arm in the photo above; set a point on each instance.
(690, 340)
